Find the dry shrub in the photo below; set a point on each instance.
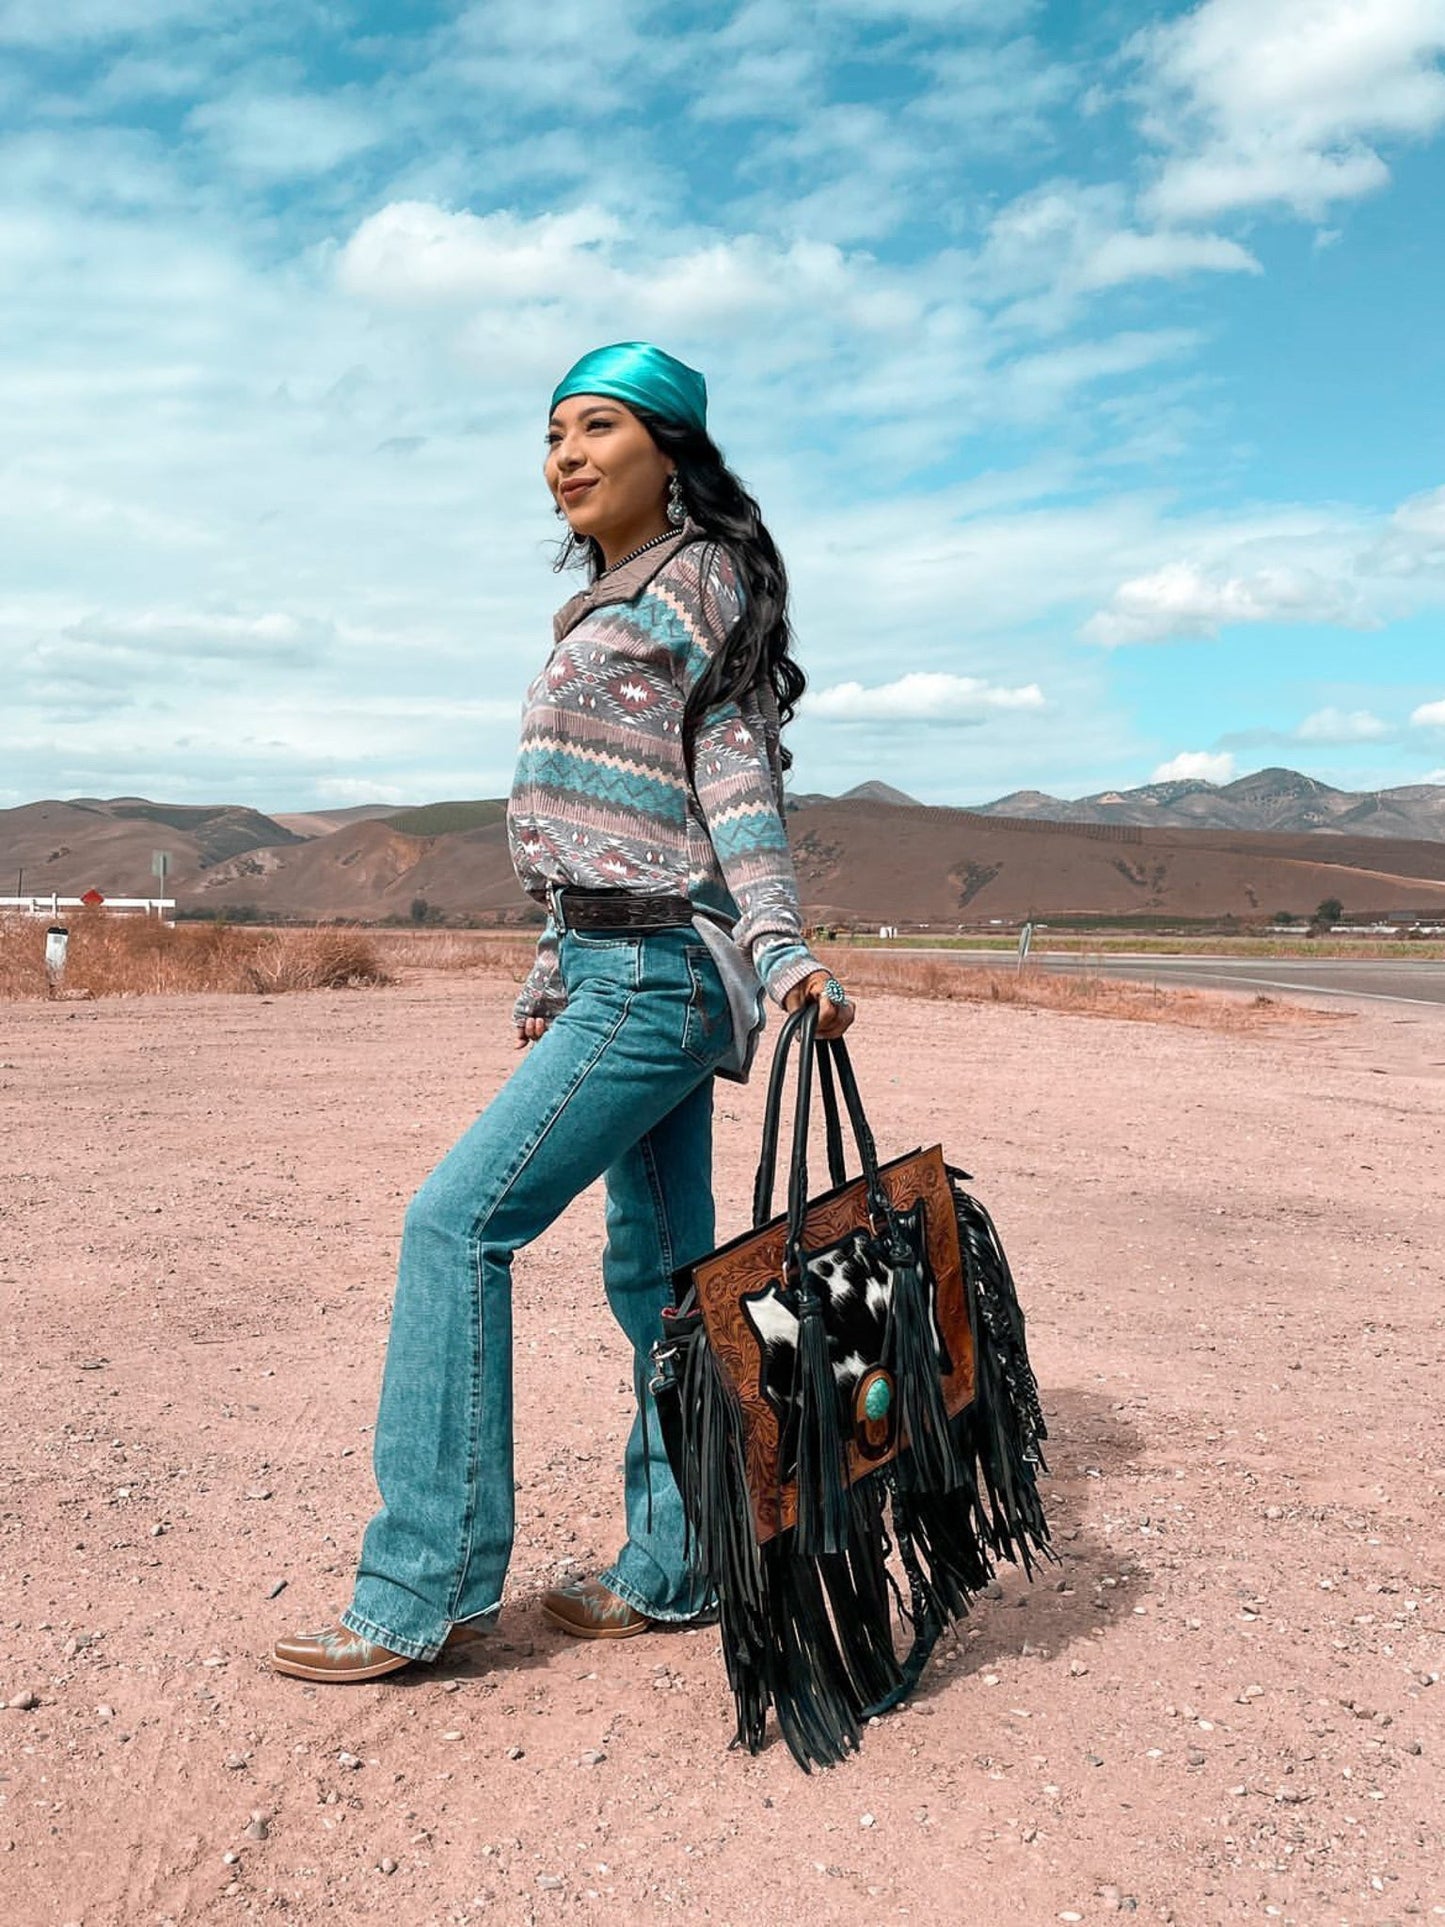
(1081, 992)
(316, 960)
(114, 955)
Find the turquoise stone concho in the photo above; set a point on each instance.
(874, 1424)
(878, 1399)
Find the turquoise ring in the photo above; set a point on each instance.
(835, 992)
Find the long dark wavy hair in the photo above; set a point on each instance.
(760, 645)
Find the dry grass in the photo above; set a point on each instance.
(119, 956)
(124, 956)
(489, 952)
(1080, 994)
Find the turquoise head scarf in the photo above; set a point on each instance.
(644, 377)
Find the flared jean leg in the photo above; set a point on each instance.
(659, 1215)
(607, 1072)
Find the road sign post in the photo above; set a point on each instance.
(1024, 935)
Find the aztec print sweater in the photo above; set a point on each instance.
(601, 798)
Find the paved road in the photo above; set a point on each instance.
(1392, 981)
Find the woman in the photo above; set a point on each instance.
(647, 815)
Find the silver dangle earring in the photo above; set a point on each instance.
(676, 507)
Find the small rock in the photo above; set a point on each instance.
(594, 1756)
(259, 1825)
(1109, 1899)
(105, 1712)
(25, 1702)
(516, 1752)
(235, 1762)
(1196, 1758)
(158, 1531)
(1412, 1746)
(387, 1864)
(1077, 1669)
(348, 1760)
(1094, 1759)
(866, 1820)
(230, 1857)
(1029, 1835)
(1249, 1693)
(258, 1492)
(451, 1734)
(277, 1590)
(451, 1686)
(549, 1882)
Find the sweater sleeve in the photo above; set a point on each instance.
(738, 783)
(543, 994)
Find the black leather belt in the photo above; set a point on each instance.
(594, 910)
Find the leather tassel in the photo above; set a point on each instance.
(822, 1466)
(720, 1539)
(911, 1354)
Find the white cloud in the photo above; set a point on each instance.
(39, 23)
(1049, 249)
(1181, 599)
(1432, 776)
(412, 251)
(1129, 256)
(280, 136)
(1277, 102)
(1428, 716)
(1342, 726)
(921, 697)
(1196, 765)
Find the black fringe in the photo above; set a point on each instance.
(822, 1467)
(810, 1632)
(911, 1355)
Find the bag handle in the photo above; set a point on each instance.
(772, 1121)
(831, 1056)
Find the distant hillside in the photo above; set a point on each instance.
(861, 860)
(860, 793)
(108, 845)
(323, 822)
(440, 819)
(860, 863)
(1270, 799)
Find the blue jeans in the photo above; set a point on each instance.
(619, 1085)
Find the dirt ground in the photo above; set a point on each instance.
(1224, 1703)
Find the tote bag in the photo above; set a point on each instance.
(847, 1379)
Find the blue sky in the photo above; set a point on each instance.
(1087, 363)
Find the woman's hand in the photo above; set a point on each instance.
(529, 1029)
(835, 1011)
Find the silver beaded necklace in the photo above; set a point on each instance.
(652, 541)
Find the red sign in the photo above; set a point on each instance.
(92, 897)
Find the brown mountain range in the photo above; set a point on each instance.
(860, 861)
(1270, 799)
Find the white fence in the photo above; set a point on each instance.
(51, 906)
